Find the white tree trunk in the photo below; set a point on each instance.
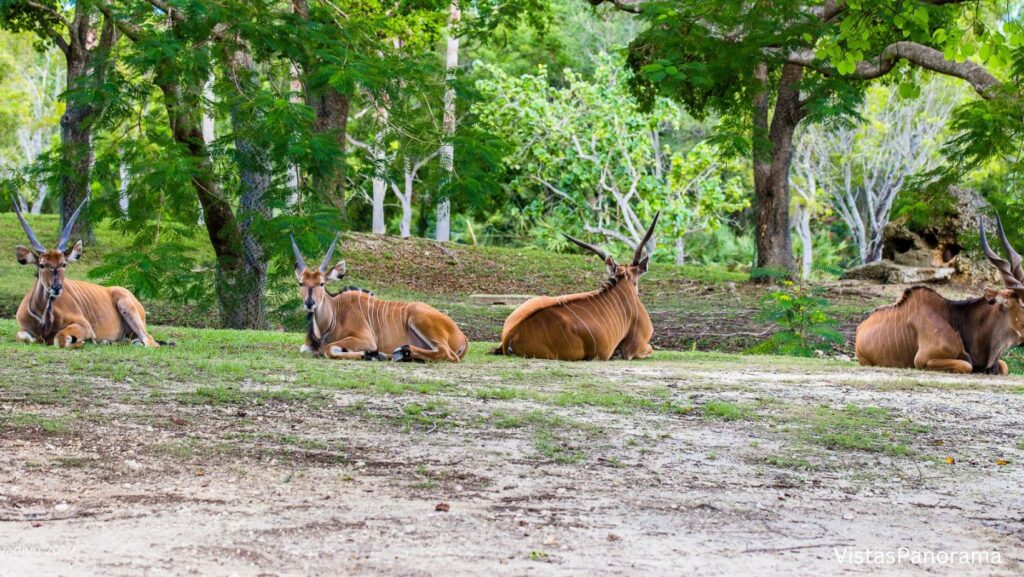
(380, 168)
(803, 231)
(293, 170)
(208, 123)
(406, 227)
(41, 192)
(122, 197)
(680, 251)
(443, 229)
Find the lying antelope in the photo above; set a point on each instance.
(353, 324)
(69, 313)
(926, 331)
(585, 326)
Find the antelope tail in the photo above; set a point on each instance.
(498, 351)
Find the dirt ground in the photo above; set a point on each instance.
(740, 467)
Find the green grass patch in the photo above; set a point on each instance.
(871, 429)
(722, 410)
(48, 425)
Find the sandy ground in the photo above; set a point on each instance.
(142, 487)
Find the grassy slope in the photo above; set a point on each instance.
(443, 275)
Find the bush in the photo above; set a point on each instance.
(801, 313)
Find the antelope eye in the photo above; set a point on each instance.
(322, 284)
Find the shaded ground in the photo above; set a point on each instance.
(233, 454)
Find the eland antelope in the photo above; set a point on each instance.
(590, 325)
(924, 330)
(69, 313)
(354, 324)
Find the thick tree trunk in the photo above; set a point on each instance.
(76, 148)
(773, 153)
(331, 110)
(255, 172)
(235, 290)
(443, 226)
(680, 251)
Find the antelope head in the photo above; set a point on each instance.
(632, 271)
(50, 263)
(313, 281)
(1011, 299)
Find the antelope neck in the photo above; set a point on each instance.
(41, 297)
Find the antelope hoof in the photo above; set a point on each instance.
(25, 337)
(138, 343)
(403, 355)
(374, 356)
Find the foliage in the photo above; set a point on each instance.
(587, 158)
(862, 169)
(803, 317)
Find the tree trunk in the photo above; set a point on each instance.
(42, 191)
(122, 197)
(76, 148)
(443, 226)
(234, 288)
(406, 226)
(331, 110)
(680, 251)
(772, 155)
(255, 172)
(209, 125)
(802, 225)
(380, 170)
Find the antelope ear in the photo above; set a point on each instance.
(642, 267)
(337, 272)
(610, 263)
(25, 255)
(74, 252)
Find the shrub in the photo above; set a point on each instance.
(801, 313)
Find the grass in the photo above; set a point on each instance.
(48, 425)
(722, 410)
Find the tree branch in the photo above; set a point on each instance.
(132, 31)
(631, 6)
(924, 56)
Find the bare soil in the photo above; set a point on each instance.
(346, 482)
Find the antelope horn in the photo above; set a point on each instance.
(327, 258)
(298, 255)
(1004, 267)
(66, 233)
(650, 232)
(587, 246)
(28, 229)
(1015, 259)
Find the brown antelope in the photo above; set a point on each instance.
(69, 313)
(586, 326)
(926, 331)
(353, 324)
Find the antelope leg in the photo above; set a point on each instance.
(74, 336)
(25, 337)
(950, 365)
(350, 348)
(134, 316)
(442, 353)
